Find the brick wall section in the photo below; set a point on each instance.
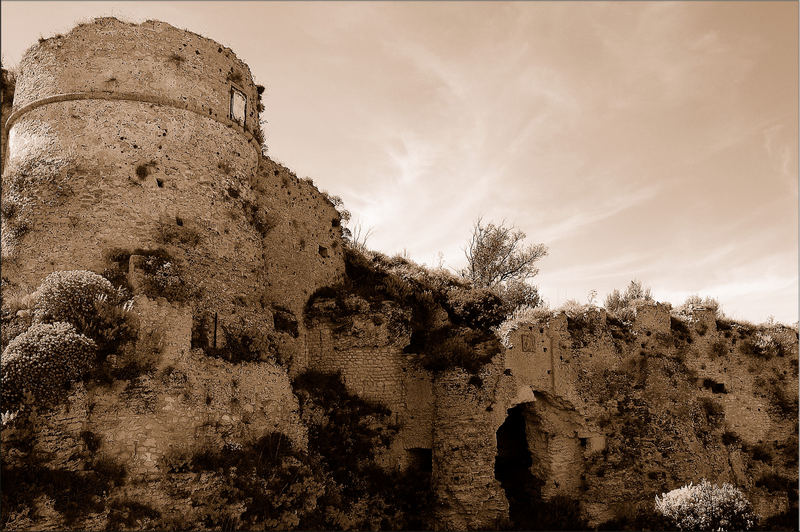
(369, 355)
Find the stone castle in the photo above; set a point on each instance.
(128, 138)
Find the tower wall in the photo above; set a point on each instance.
(114, 142)
(152, 61)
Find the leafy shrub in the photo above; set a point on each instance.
(680, 331)
(43, 361)
(476, 307)
(446, 348)
(516, 294)
(162, 273)
(133, 361)
(279, 483)
(719, 348)
(13, 326)
(90, 303)
(706, 506)
(763, 346)
(110, 326)
(70, 296)
(634, 293)
(696, 301)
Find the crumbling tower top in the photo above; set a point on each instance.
(153, 62)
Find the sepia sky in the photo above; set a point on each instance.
(648, 140)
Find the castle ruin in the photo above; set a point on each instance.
(126, 138)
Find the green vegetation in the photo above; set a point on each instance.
(79, 319)
(70, 296)
(498, 259)
(450, 324)
(623, 304)
(162, 274)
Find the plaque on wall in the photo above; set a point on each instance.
(528, 343)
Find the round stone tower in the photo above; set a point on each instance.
(134, 137)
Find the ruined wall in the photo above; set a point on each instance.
(368, 352)
(186, 403)
(621, 413)
(303, 251)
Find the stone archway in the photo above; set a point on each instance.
(513, 466)
(536, 467)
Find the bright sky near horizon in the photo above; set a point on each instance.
(648, 140)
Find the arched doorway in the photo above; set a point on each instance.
(515, 463)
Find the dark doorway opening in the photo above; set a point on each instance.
(527, 510)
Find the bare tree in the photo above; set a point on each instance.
(497, 255)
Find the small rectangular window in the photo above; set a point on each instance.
(238, 106)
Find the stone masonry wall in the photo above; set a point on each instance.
(153, 59)
(369, 355)
(620, 414)
(132, 149)
(189, 403)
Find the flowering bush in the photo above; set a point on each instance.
(91, 304)
(69, 296)
(706, 506)
(43, 361)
